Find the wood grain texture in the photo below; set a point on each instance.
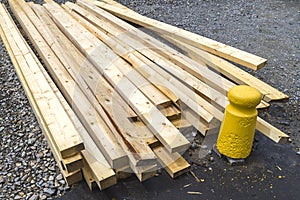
(62, 130)
(92, 47)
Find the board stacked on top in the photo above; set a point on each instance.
(127, 98)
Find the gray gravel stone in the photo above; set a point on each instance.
(51, 178)
(43, 197)
(34, 197)
(17, 197)
(1, 179)
(59, 177)
(49, 191)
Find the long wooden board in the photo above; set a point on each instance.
(62, 130)
(238, 56)
(88, 177)
(173, 163)
(104, 176)
(145, 172)
(229, 70)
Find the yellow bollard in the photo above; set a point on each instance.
(238, 127)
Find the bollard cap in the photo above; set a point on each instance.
(244, 96)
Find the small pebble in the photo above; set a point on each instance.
(43, 197)
(59, 177)
(49, 191)
(51, 178)
(17, 197)
(34, 197)
(193, 145)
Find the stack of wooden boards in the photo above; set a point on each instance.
(112, 100)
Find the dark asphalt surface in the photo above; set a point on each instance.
(272, 172)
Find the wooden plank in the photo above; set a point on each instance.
(149, 90)
(210, 91)
(156, 79)
(105, 181)
(263, 105)
(146, 134)
(88, 177)
(181, 123)
(189, 115)
(62, 130)
(145, 172)
(103, 177)
(143, 84)
(72, 163)
(171, 112)
(107, 177)
(173, 163)
(271, 132)
(238, 56)
(123, 173)
(194, 88)
(92, 47)
(72, 177)
(231, 71)
(91, 120)
(115, 162)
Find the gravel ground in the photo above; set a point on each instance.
(268, 28)
(27, 167)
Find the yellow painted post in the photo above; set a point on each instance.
(238, 127)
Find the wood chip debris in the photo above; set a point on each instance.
(194, 193)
